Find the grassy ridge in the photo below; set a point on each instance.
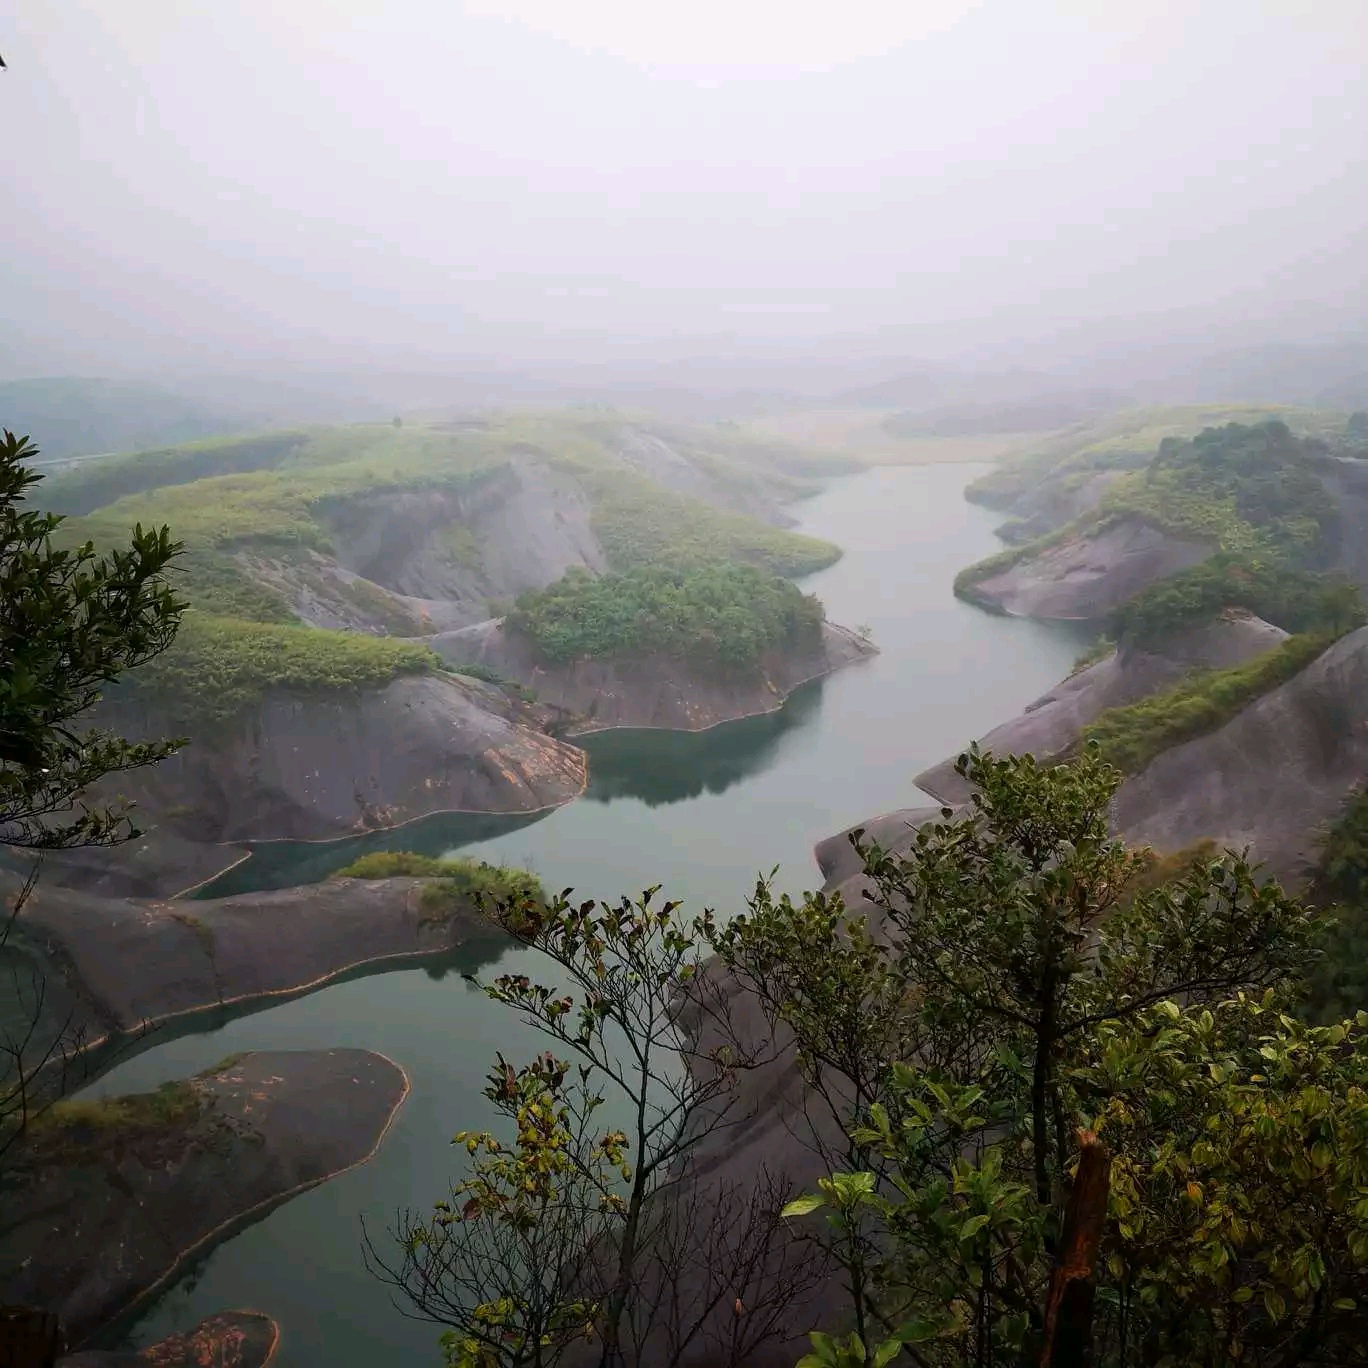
(725, 616)
(1132, 736)
(280, 493)
(1249, 492)
(639, 524)
(220, 667)
(1129, 439)
(456, 882)
(111, 478)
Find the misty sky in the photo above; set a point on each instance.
(317, 180)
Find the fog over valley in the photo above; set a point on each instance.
(762, 188)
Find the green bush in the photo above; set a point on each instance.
(725, 616)
(1132, 736)
(1251, 492)
(1268, 586)
(102, 482)
(455, 880)
(1241, 487)
(639, 524)
(219, 667)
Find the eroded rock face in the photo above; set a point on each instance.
(101, 1213)
(651, 692)
(1088, 577)
(326, 765)
(1052, 724)
(1270, 777)
(522, 528)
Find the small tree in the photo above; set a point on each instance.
(585, 1219)
(1006, 941)
(71, 621)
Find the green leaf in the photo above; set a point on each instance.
(803, 1206)
(971, 1227)
(887, 1352)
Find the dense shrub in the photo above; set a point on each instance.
(219, 667)
(726, 616)
(1293, 599)
(1132, 736)
(455, 880)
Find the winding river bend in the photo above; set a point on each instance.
(700, 814)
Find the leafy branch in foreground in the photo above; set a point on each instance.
(1008, 945)
(70, 623)
(613, 1204)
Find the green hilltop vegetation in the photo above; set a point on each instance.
(1253, 493)
(279, 494)
(1247, 490)
(454, 881)
(219, 667)
(1128, 441)
(725, 616)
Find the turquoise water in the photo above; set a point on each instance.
(700, 814)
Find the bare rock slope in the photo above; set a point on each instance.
(326, 765)
(124, 964)
(1271, 777)
(650, 692)
(1086, 577)
(1051, 724)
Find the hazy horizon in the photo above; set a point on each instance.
(530, 183)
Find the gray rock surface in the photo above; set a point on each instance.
(520, 528)
(1052, 724)
(100, 1214)
(327, 765)
(132, 963)
(651, 692)
(1271, 776)
(1085, 578)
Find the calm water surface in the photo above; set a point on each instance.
(701, 815)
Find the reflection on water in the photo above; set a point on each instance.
(660, 767)
(284, 864)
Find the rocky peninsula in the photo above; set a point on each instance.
(109, 1199)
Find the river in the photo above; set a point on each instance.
(700, 814)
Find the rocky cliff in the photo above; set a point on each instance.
(1089, 575)
(601, 693)
(1052, 724)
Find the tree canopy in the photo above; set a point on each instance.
(725, 616)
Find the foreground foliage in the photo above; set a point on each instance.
(724, 616)
(1020, 986)
(71, 623)
(1042, 996)
(584, 1233)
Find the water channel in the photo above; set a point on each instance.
(699, 814)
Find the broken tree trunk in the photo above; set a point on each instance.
(1067, 1340)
